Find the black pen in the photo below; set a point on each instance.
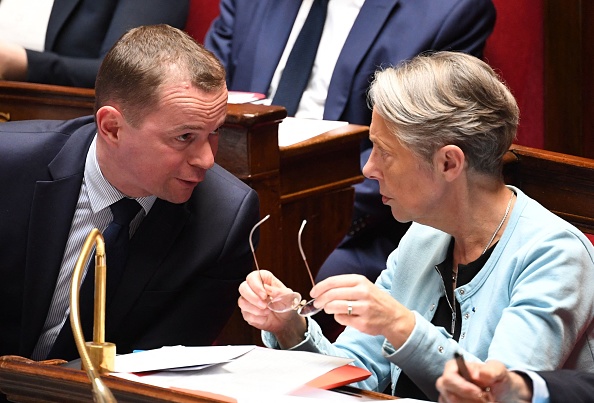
(464, 373)
(462, 368)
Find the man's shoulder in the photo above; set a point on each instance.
(219, 188)
(225, 179)
(223, 199)
(39, 141)
(43, 128)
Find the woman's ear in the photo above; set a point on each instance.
(450, 161)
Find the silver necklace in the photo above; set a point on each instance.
(501, 223)
(455, 273)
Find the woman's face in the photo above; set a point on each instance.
(407, 184)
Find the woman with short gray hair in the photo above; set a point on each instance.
(483, 269)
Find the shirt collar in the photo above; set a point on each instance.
(101, 193)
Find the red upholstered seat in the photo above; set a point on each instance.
(516, 51)
(201, 15)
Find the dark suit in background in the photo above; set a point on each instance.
(185, 263)
(569, 386)
(80, 32)
(249, 37)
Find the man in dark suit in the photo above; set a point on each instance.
(160, 99)
(79, 33)
(559, 386)
(360, 36)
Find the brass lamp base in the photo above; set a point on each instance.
(102, 356)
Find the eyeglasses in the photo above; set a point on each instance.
(291, 301)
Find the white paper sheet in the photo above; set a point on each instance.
(178, 357)
(240, 97)
(295, 130)
(259, 372)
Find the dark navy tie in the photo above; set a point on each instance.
(301, 59)
(117, 237)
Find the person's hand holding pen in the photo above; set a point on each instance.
(481, 382)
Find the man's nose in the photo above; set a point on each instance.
(202, 155)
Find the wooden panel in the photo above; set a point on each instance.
(248, 144)
(326, 226)
(322, 163)
(20, 101)
(569, 86)
(588, 77)
(562, 183)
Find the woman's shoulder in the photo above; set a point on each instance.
(533, 220)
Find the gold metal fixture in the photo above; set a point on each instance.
(96, 356)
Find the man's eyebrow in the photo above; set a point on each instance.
(187, 127)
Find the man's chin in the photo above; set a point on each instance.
(179, 197)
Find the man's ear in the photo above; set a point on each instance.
(109, 122)
(450, 161)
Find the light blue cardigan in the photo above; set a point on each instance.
(530, 306)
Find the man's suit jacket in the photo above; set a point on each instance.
(81, 32)
(567, 385)
(249, 37)
(185, 262)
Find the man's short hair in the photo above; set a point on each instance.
(146, 57)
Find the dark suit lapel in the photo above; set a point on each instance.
(149, 247)
(60, 12)
(367, 26)
(271, 42)
(51, 215)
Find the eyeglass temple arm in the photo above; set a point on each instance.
(303, 253)
(252, 244)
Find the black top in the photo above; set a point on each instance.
(443, 317)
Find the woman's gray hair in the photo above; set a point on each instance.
(448, 98)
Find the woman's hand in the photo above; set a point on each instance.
(255, 292)
(373, 311)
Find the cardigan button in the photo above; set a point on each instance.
(440, 349)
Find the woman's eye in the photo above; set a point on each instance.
(382, 153)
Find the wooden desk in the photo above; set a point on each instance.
(22, 101)
(27, 381)
(310, 180)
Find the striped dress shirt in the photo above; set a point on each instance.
(92, 211)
